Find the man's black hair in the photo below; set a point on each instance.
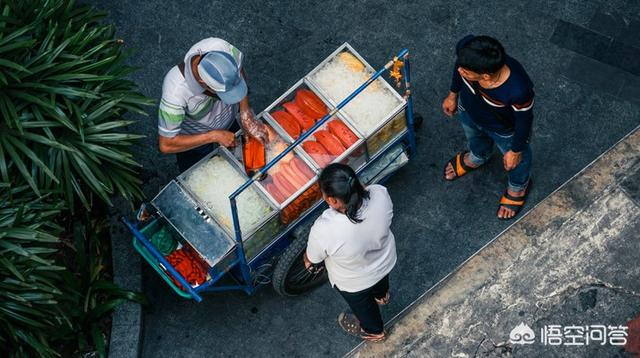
(481, 54)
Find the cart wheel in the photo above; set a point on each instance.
(290, 277)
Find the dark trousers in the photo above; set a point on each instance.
(364, 306)
(187, 159)
(190, 157)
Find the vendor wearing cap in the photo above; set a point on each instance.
(201, 100)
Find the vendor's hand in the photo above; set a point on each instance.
(252, 126)
(224, 138)
(450, 104)
(511, 160)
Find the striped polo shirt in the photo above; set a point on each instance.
(184, 107)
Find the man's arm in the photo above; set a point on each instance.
(523, 118)
(450, 103)
(184, 142)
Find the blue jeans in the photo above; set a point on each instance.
(481, 147)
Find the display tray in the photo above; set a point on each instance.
(189, 221)
(344, 71)
(213, 179)
(298, 109)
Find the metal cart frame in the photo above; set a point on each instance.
(241, 269)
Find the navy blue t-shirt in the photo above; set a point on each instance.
(505, 109)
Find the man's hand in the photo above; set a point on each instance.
(450, 104)
(511, 160)
(224, 138)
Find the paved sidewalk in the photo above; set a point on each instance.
(573, 260)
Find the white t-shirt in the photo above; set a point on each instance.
(356, 256)
(184, 107)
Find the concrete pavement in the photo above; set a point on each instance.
(572, 261)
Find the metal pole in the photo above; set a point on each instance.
(244, 267)
(410, 125)
(158, 256)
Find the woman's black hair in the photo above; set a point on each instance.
(340, 181)
(481, 54)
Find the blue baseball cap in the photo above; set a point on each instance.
(220, 72)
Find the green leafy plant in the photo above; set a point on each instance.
(91, 295)
(30, 280)
(63, 94)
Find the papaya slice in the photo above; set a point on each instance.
(342, 132)
(318, 153)
(329, 142)
(253, 154)
(310, 104)
(303, 119)
(288, 123)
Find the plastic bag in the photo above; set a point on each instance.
(252, 126)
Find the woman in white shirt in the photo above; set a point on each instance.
(354, 240)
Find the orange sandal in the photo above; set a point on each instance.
(512, 202)
(459, 166)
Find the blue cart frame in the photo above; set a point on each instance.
(241, 269)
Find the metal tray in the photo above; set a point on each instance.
(225, 154)
(387, 118)
(186, 217)
(347, 157)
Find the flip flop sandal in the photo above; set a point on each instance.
(384, 300)
(459, 167)
(350, 324)
(513, 203)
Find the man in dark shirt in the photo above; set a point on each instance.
(493, 97)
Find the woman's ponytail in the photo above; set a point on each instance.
(340, 181)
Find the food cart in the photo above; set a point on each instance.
(222, 225)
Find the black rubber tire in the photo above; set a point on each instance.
(290, 264)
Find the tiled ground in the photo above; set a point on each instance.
(583, 106)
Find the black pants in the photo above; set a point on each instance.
(192, 156)
(364, 306)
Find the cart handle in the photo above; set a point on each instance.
(158, 256)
